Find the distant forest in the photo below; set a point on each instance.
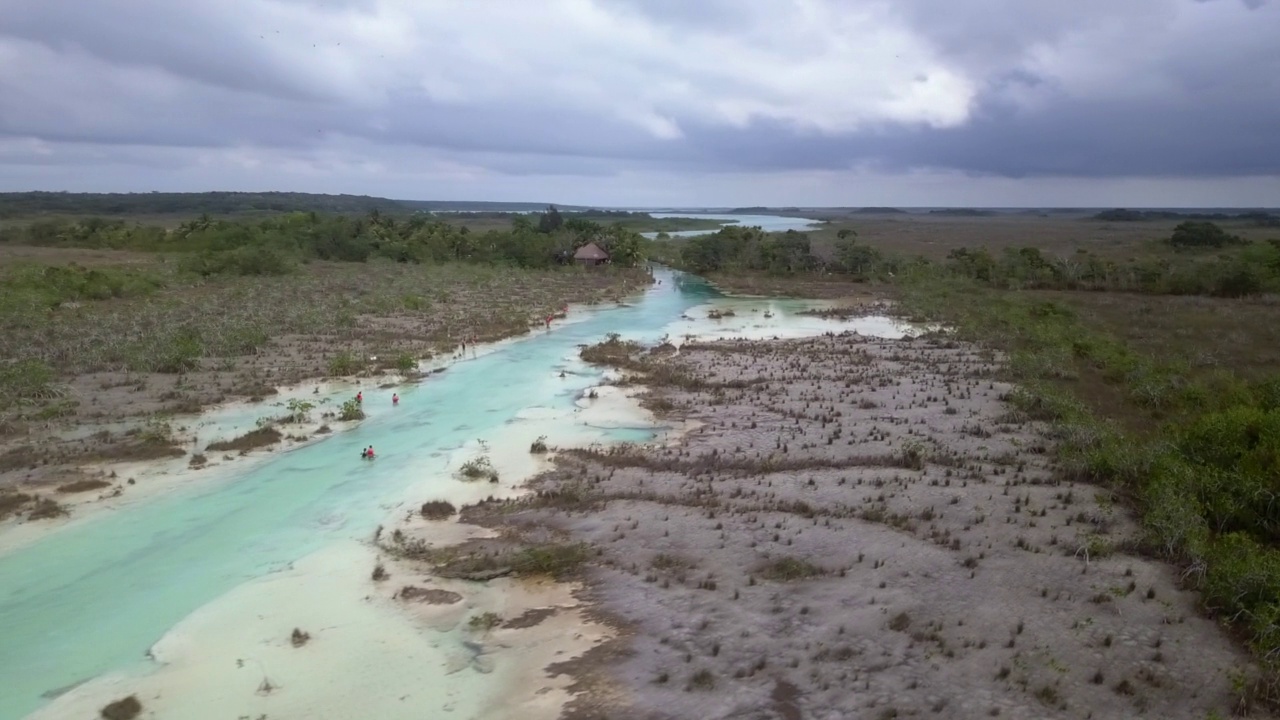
(31, 204)
(1262, 218)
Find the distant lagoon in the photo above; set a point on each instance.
(768, 223)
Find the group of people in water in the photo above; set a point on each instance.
(367, 453)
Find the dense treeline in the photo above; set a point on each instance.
(749, 248)
(554, 218)
(274, 245)
(738, 248)
(1237, 268)
(28, 204)
(1258, 217)
(33, 204)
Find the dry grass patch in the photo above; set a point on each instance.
(85, 485)
(251, 440)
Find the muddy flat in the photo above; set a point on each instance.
(865, 528)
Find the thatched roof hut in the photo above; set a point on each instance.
(591, 254)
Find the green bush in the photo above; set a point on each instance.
(50, 286)
(345, 363)
(272, 246)
(351, 410)
(554, 560)
(178, 352)
(406, 362)
(25, 380)
(1199, 234)
(248, 260)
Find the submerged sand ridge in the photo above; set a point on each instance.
(864, 528)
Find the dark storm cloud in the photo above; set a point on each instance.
(1107, 139)
(1089, 88)
(187, 40)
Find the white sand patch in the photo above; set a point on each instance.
(366, 657)
(758, 319)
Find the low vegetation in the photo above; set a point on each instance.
(234, 306)
(437, 510)
(485, 621)
(1196, 450)
(351, 411)
(479, 468)
(251, 440)
(1199, 258)
(85, 485)
(1154, 401)
(299, 637)
(124, 709)
(277, 244)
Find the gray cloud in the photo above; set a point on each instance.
(1095, 88)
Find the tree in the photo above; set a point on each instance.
(787, 253)
(977, 264)
(857, 260)
(550, 221)
(582, 229)
(1195, 233)
(623, 246)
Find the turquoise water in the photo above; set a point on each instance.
(768, 223)
(93, 597)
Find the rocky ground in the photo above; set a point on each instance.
(857, 528)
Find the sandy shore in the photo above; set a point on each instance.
(367, 653)
(398, 643)
(122, 482)
(112, 417)
(863, 528)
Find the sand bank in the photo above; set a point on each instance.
(367, 655)
(131, 482)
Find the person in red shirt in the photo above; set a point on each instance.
(395, 399)
(360, 397)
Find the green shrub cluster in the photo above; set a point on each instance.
(274, 245)
(33, 286)
(1237, 268)
(749, 248)
(1251, 269)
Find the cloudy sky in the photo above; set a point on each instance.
(650, 102)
